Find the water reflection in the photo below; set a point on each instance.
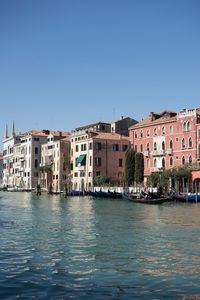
(89, 248)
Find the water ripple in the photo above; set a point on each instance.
(81, 248)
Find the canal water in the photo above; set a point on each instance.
(85, 248)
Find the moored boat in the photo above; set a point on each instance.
(145, 200)
(193, 198)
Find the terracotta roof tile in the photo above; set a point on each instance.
(148, 122)
(110, 136)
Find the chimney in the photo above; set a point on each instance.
(151, 115)
(122, 117)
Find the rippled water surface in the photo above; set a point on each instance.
(85, 248)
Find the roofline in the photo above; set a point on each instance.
(89, 125)
(151, 124)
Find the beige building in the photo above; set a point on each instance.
(96, 151)
(55, 162)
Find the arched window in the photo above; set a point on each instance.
(148, 147)
(163, 163)
(199, 152)
(155, 163)
(163, 145)
(163, 130)
(155, 132)
(190, 159)
(148, 132)
(190, 142)
(184, 126)
(183, 144)
(171, 144)
(141, 148)
(155, 147)
(148, 163)
(183, 160)
(135, 135)
(141, 134)
(171, 161)
(188, 126)
(171, 129)
(135, 148)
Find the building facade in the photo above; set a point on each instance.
(1, 170)
(96, 151)
(27, 159)
(55, 163)
(8, 149)
(168, 139)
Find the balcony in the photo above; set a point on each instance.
(158, 152)
(170, 151)
(156, 169)
(22, 157)
(81, 168)
(147, 153)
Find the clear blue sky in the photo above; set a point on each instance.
(68, 63)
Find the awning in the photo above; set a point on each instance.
(80, 159)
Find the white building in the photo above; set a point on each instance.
(8, 146)
(28, 155)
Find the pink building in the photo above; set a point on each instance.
(168, 139)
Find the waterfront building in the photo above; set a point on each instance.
(55, 162)
(8, 146)
(27, 159)
(168, 139)
(96, 151)
(122, 125)
(1, 169)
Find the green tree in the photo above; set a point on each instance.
(164, 179)
(179, 174)
(130, 167)
(154, 179)
(101, 180)
(139, 168)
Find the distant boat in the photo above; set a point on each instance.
(102, 194)
(145, 200)
(14, 189)
(75, 193)
(187, 198)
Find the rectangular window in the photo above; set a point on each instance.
(115, 147)
(90, 160)
(199, 134)
(76, 148)
(120, 162)
(98, 146)
(98, 161)
(124, 148)
(98, 173)
(83, 147)
(90, 146)
(36, 163)
(76, 174)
